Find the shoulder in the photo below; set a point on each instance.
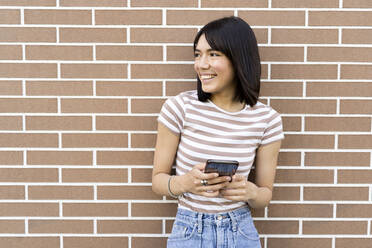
(266, 111)
(184, 98)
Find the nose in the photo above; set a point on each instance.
(203, 62)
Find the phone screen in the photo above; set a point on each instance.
(222, 167)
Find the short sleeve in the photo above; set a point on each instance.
(274, 128)
(172, 114)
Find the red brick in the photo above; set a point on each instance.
(234, 4)
(304, 106)
(164, 3)
(144, 242)
(133, 88)
(28, 140)
(58, 16)
(308, 141)
(88, 35)
(338, 124)
(27, 34)
(129, 226)
(175, 87)
(28, 105)
(303, 71)
(58, 123)
(60, 226)
(60, 192)
(355, 141)
(293, 54)
(299, 242)
(59, 88)
(304, 36)
(125, 157)
(93, 3)
(277, 227)
(353, 242)
(10, 87)
(154, 209)
(356, 36)
(339, 54)
(337, 159)
(12, 226)
(356, 4)
(336, 193)
(30, 242)
(11, 123)
(289, 159)
(95, 209)
(334, 227)
(180, 53)
(9, 52)
(28, 70)
(292, 123)
(355, 176)
(126, 193)
(339, 89)
(304, 176)
(194, 17)
(356, 72)
(273, 18)
(10, 16)
(95, 242)
(59, 53)
(128, 17)
(146, 105)
(91, 105)
(95, 175)
(339, 18)
(135, 123)
(59, 158)
(95, 140)
(11, 158)
(29, 209)
(356, 107)
(94, 71)
(44, 3)
(141, 175)
(301, 211)
(163, 71)
(28, 175)
(305, 4)
(286, 193)
(162, 35)
(143, 140)
(12, 192)
(134, 53)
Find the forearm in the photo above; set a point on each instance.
(160, 184)
(262, 199)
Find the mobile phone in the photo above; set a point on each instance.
(222, 167)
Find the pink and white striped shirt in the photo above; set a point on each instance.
(209, 132)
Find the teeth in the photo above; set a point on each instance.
(207, 76)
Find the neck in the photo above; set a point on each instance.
(227, 103)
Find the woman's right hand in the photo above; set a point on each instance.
(192, 182)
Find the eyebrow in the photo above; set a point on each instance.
(208, 50)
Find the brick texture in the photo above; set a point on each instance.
(81, 86)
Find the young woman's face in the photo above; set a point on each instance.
(214, 69)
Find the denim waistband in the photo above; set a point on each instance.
(201, 219)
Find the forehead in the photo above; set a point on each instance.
(203, 44)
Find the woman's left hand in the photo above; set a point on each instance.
(239, 189)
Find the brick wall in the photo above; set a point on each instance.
(82, 82)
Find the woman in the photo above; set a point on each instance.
(222, 119)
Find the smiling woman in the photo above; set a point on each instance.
(221, 120)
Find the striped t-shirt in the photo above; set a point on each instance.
(209, 132)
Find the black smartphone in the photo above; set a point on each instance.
(222, 167)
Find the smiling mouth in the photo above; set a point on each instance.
(207, 77)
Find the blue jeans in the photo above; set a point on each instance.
(233, 229)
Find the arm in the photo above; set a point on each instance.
(165, 151)
(257, 195)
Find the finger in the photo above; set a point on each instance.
(219, 180)
(234, 198)
(200, 166)
(232, 192)
(209, 193)
(214, 187)
(237, 178)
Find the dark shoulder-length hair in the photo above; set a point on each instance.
(236, 40)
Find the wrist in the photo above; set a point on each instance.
(171, 187)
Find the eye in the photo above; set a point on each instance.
(196, 55)
(214, 54)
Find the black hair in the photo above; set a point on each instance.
(236, 40)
